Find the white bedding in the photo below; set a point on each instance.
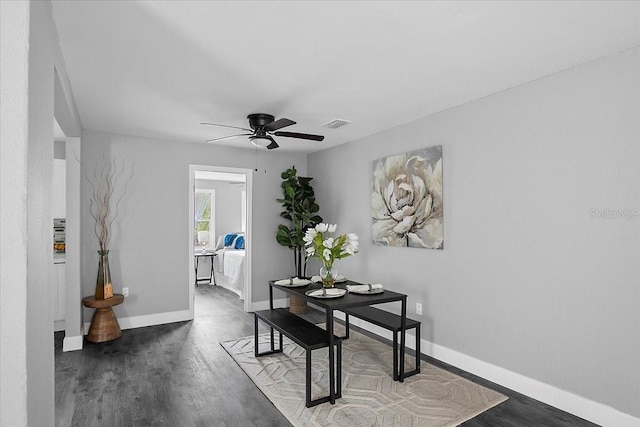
(229, 269)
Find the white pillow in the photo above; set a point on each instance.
(220, 242)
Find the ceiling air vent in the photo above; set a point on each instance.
(336, 123)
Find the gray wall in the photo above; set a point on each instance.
(528, 280)
(228, 206)
(151, 237)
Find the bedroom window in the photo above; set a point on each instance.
(205, 229)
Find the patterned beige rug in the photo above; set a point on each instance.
(370, 397)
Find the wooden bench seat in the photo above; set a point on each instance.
(391, 322)
(306, 335)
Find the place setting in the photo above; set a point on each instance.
(326, 292)
(366, 289)
(292, 282)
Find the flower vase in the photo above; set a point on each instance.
(328, 276)
(104, 288)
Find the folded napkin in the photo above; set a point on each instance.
(363, 288)
(292, 281)
(326, 291)
(318, 279)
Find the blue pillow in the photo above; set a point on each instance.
(228, 239)
(239, 242)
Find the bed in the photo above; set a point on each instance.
(229, 267)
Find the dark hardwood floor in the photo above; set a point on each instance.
(179, 375)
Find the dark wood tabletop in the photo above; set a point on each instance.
(349, 300)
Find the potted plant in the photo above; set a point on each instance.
(301, 210)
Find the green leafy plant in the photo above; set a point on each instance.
(301, 210)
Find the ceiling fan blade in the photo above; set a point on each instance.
(279, 124)
(300, 135)
(228, 137)
(226, 126)
(272, 145)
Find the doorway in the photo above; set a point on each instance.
(219, 214)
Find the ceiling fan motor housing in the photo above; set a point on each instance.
(259, 120)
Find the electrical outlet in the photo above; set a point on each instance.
(419, 308)
(125, 292)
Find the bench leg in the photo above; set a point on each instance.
(255, 335)
(418, 352)
(338, 379)
(308, 380)
(417, 368)
(273, 350)
(339, 371)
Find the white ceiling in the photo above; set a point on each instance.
(158, 69)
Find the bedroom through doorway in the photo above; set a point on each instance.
(220, 232)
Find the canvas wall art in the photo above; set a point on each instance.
(406, 199)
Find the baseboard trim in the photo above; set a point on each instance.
(264, 305)
(133, 322)
(72, 343)
(582, 407)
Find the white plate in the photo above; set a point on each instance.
(331, 293)
(368, 292)
(295, 285)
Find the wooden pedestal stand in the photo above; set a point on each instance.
(104, 325)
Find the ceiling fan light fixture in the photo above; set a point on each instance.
(260, 141)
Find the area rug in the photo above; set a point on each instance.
(370, 397)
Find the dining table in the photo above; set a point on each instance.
(330, 302)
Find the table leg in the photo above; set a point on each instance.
(196, 268)
(213, 273)
(403, 340)
(395, 356)
(332, 377)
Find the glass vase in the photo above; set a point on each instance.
(104, 288)
(328, 276)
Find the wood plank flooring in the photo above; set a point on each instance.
(179, 375)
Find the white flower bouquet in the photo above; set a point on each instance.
(320, 243)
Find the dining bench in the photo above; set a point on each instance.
(306, 335)
(391, 322)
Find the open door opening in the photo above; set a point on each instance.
(220, 230)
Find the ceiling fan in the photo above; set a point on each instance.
(263, 128)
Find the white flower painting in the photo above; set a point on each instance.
(406, 200)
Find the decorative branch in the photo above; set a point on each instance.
(102, 208)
